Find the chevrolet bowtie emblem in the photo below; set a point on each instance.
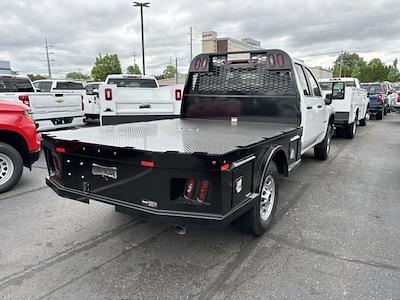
(61, 100)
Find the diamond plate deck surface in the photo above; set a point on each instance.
(214, 137)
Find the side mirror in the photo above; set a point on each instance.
(328, 99)
(338, 90)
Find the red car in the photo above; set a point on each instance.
(19, 142)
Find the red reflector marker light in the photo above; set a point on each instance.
(204, 63)
(398, 97)
(24, 99)
(197, 64)
(380, 98)
(271, 60)
(108, 94)
(224, 167)
(146, 163)
(279, 59)
(189, 188)
(60, 150)
(202, 194)
(178, 94)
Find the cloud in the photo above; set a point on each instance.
(313, 30)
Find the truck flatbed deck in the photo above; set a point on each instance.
(184, 136)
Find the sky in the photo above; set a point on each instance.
(313, 30)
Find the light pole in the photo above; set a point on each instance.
(141, 5)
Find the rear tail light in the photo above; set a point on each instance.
(178, 94)
(203, 190)
(271, 60)
(189, 188)
(398, 97)
(24, 99)
(204, 64)
(82, 104)
(279, 59)
(197, 63)
(108, 94)
(56, 163)
(60, 150)
(225, 167)
(379, 98)
(145, 163)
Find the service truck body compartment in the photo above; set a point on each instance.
(146, 166)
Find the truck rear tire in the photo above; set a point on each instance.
(351, 129)
(379, 116)
(363, 122)
(258, 219)
(321, 151)
(11, 166)
(385, 111)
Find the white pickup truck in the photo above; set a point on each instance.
(350, 102)
(133, 98)
(50, 110)
(59, 86)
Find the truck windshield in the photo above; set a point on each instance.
(69, 86)
(327, 86)
(133, 82)
(373, 88)
(16, 85)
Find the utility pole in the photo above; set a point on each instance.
(191, 43)
(134, 59)
(141, 5)
(48, 58)
(176, 70)
(341, 63)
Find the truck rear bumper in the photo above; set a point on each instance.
(44, 125)
(168, 216)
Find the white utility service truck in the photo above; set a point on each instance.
(350, 102)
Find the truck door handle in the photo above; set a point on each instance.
(319, 106)
(309, 107)
(145, 106)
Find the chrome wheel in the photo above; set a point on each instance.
(6, 168)
(267, 199)
(328, 144)
(355, 126)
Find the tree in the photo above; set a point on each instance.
(134, 70)
(393, 74)
(376, 71)
(77, 76)
(348, 64)
(34, 77)
(106, 65)
(169, 72)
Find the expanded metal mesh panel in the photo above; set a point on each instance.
(252, 80)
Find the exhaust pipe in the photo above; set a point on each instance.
(180, 229)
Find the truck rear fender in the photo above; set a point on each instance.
(276, 154)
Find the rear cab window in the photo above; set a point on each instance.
(15, 85)
(373, 88)
(68, 85)
(133, 82)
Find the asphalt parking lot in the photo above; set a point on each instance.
(336, 236)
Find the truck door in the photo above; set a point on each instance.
(319, 104)
(309, 109)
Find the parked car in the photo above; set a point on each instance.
(59, 86)
(376, 95)
(350, 102)
(19, 142)
(91, 102)
(246, 118)
(50, 110)
(133, 98)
